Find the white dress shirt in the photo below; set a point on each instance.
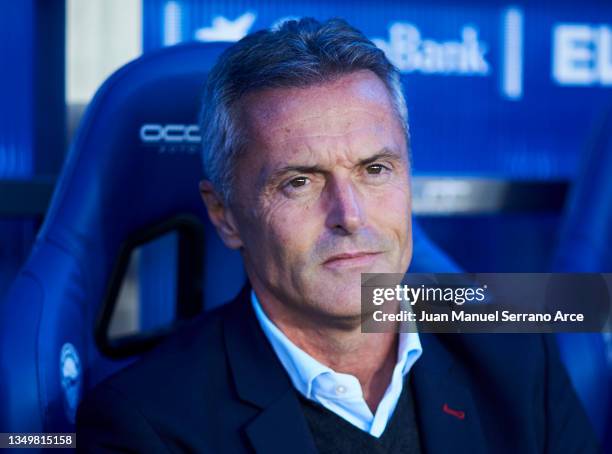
(340, 393)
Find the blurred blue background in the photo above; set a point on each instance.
(510, 109)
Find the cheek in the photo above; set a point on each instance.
(392, 210)
(292, 230)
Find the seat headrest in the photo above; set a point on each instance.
(136, 156)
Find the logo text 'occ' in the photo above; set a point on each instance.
(170, 134)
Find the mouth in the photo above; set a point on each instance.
(351, 259)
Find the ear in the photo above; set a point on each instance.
(220, 215)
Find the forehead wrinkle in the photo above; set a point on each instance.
(331, 158)
(290, 139)
(314, 149)
(375, 131)
(309, 119)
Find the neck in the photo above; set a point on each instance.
(370, 357)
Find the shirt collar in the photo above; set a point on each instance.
(303, 369)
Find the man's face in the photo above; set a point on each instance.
(322, 193)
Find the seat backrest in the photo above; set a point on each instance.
(585, 237)
(585, 246)
(132, 170)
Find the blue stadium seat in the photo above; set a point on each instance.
(133, 167)
(585, 239)
(585, 246)
(427, 257)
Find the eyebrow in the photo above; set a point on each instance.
(385, 153)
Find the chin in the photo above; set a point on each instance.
(340, 296)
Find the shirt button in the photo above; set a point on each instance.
(340, 389)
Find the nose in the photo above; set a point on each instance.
(346, 211)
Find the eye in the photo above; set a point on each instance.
(299, 185)
(298, 182)
(376, 169)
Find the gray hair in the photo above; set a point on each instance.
(295, 54)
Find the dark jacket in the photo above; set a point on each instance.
(217, 387)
